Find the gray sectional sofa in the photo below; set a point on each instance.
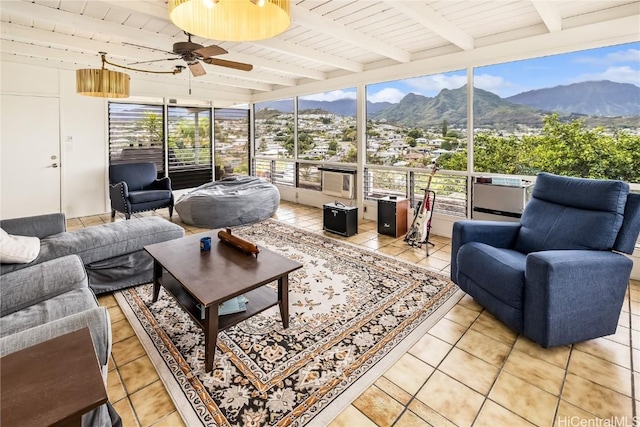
(112, 253)
(50, 299)
(55, 293)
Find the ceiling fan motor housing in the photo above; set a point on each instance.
(185, 48)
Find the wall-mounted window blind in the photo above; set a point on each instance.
(136, 134)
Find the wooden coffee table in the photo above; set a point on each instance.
(52, 383)
(204, 280)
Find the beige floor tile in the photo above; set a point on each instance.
(635, 322)
(557, 356)
(495, 415)
(378, 406)
(391, 250)
(112, 364)
(125, 410)
(409, 373)
(594, 398)
(127, 350)
(429, 414)
(537, 372)
(410, 419)
(622, 336)
(434, 263)
(91, 220)
(528, 401)
(137, 374)
(411, 256)
(372, 244)
(393, 390)
(115, 389)
(462, 315)
(493, 328)
(351, 417)
(487, 349)
(440, 254)
(451, 399)
(121, 330)
(471, 371)
(601, 372)
(608, 350)
(571, 415)
(447, 330)
(172, 420)
(152, 403)
(116, 314)
(107, 300)
(624, 319)
(468, 302)
(431, 349)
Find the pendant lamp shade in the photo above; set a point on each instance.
(102, 83)
(231, 20)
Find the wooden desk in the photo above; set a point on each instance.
(52, 383)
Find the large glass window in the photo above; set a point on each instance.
(572, 114)
(189, 146)
(136, 134)
(411, 122)
(327, 126)
(231, 136)
(274, 128)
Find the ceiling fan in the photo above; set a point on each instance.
(193, 54)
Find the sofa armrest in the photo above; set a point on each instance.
(97, 320)
(35, 226)
(119, 193)
(495, 233)
(163, 183)
(569, 293)
(34, 284)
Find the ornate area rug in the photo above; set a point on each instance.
(349, 308)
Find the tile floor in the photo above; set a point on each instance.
(468, 370)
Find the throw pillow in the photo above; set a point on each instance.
(18, 249)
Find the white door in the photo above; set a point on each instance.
(29, 156)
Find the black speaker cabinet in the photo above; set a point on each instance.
(340, 219)
(392, 216)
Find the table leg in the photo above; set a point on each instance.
(283, 299)
(157, 274)
(210, 336)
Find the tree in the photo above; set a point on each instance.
(444, 128)
(562, 148)
(415, 133)
(411, 141)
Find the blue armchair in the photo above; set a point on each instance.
(134, 187)
(557, 276)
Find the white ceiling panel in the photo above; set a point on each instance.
(327, 38)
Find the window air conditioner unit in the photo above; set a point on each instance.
(338, 184)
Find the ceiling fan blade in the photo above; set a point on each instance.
(155, 60)
(197, 69)
(229, 64)
(208, 51)
(147, 47)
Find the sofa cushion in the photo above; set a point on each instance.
(145, 196)
(105, 241)
(18, 249)
(47, 311)
(507, 266)
(572, 213)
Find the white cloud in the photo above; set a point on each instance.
(629, 55)
(389, 94)
(437, 82)
(330, 96)
(624, 74)
(495, 84)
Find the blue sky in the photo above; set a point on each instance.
(616, 63)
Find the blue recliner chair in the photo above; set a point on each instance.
(557, 276)
(134, 187)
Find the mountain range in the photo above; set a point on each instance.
(603, 99)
